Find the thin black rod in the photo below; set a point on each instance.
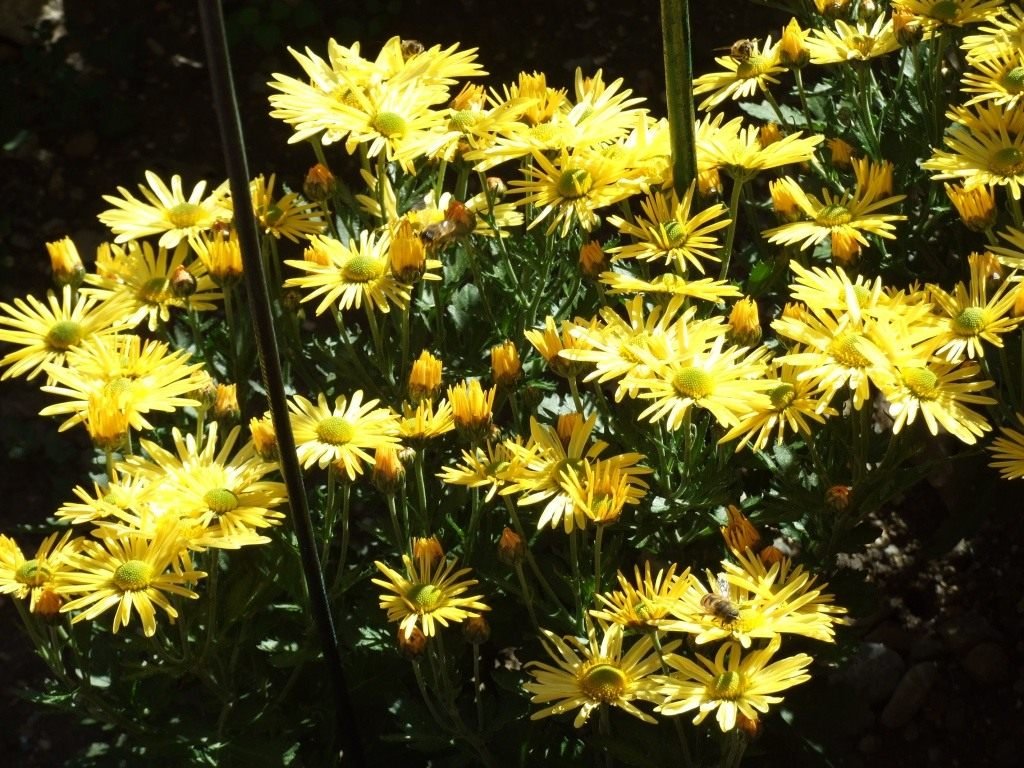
(226, 107)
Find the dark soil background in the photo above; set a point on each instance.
(103, 90)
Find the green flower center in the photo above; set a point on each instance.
(462, 120)
(676, 233)
(574, 183)
(1008, 161)
(755, 66)
(64, 334)
(945, 10)
(133, 575)
(921, 382)
(273, 215)
(426, 597)
(693, 382)
(389, 124)
(862, 294)
(603, 682)
(185, 215)
(728, 685)
(970, 321)
(833, 216)
(115, 388)
(846, 350)
(220, 500)
(863, 43)
(782, 396)
(362, 269)
(334, 430)
(1013, 81)
(33, 573)
(156, 290)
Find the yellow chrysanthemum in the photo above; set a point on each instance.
(737, 149)
(985, 146)
(143, 279)
(137, 376)
(999, 80)
(341, 435)
(1004, 34)
(788, 406)
(46, 332)
(667, 232)
(346, 276)
(705, 289)
(845, 217)
(852, 42)
(734, 683)
(591, 674)
(646, 600)
(1008, 451)
(36, 578)
(288, 216)
(546, 463)
(936, 14)
(129, 573)
(744, 74)
(968, 316)
(570, 188)
(165, 212)
(431, 590)
(221, 491)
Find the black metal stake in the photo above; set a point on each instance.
(226, 107)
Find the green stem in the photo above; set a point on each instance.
(329, 504)
(396, 527)
(577, 579)
(575, 390)
(730, 233)
(421, 491)
(518, 525)
(527, 595)
(597, 558)
(675, 30)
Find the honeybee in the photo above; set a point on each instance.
(741, 50)
(718, 604)
(437, 236)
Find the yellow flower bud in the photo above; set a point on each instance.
(425, 377)
(66, 263)
(505, 366)
(744, 324)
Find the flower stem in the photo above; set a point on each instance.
(730, 233)
(675, 31)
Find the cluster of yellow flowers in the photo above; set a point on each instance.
(558, 162)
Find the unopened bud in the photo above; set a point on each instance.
(593, 260)
(320, 184)
(413, 644)
(838, 497)
(476, 630)
(183, 282)
(66, 263)
(225, 403)
(506, 367)
(511, 548)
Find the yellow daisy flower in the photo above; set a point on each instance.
(852, 42)
(46, 332)
(666, 231)
(424, 421)
(985, 146)
(139, 377)
(129, 573)
(165, 212)
(938, 391)
(842, 218)
(645, 601)
(347, 275)
(487, 467)
(967, 317)
(612, 345)
(737, 149)
(745, 73)
(787, 406)
(429, 591)
(999, 80)
(222, 491)
(1008, 451)
(142, 278)
(1003, 35)
(936, 14)
(341, 435)
(591, 674)
(545, 464)
(106, 501)
(288, 216)
(602, 489)
(569, 189)
(36, 578)
(733, 683)
(837, 350)
(721, 380)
